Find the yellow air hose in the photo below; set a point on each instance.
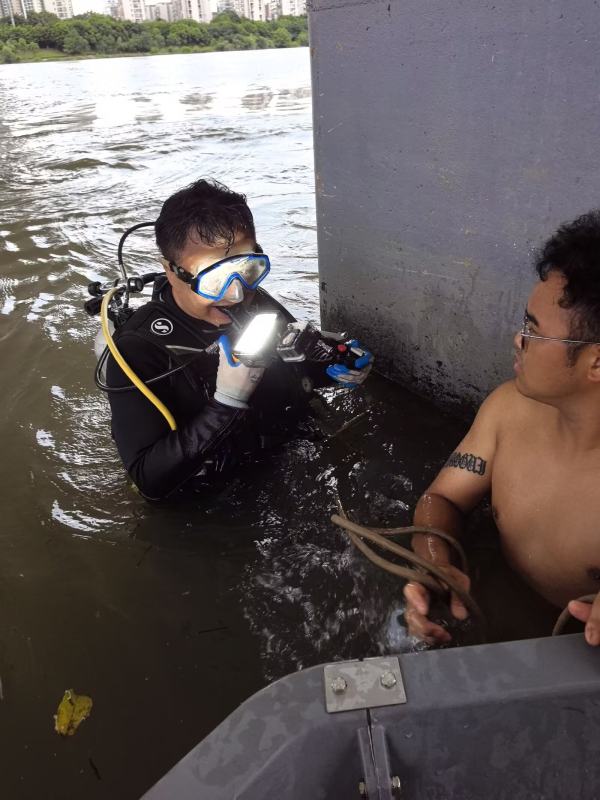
(114, 351)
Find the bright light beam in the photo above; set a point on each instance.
(256, 335)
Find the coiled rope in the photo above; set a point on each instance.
(423, 571)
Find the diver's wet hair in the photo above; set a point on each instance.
(574, 252)
(205, 211)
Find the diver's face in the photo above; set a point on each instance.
(197, 256)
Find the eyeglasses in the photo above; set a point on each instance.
(525, 334)
(214, 281)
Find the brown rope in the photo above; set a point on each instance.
(565, 614)
(429, 575)
(412, 529)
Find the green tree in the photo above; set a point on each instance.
(189, 32)
(75, 44)
(98, 33)
(281, 38)
(151, 40)
(40, 18)
(222, 44)
(293, 25)
(8, 54)
(225, 25)
(17, 50)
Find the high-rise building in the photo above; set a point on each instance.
(292, 8)
(19, 8)
(133, 10)
(238, 6)
(162, 11)
(62, 8)
(252, 9)
(255, 9)
(198, 10)
(261, 10)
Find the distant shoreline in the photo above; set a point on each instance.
(48, 56)
(43, 37)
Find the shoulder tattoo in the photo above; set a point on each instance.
(467, 461)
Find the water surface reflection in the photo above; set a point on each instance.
(168, 616)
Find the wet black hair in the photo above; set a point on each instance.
(574, 252)
(205, 211)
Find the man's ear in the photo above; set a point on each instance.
(593, 371)
(171, 277)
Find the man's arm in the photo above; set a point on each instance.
(157, 459)
(462, 483)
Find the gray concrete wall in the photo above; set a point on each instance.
(451, 138)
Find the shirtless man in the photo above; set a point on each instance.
(534, 446)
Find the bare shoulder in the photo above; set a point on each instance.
(503, 398)
(505, 406)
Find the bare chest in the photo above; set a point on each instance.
(547, 509)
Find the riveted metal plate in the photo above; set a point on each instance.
(373, 682)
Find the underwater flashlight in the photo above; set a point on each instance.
(255, 339)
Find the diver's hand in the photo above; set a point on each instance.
(352, 376)
(590, 614)
(235, 382)
(417, 608)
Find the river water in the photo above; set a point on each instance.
(167, 616)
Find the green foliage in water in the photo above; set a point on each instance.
(44, 35)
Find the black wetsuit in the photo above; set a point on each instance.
(210, 437)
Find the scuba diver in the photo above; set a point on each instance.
(186, 405)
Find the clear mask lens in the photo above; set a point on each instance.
(249, 270)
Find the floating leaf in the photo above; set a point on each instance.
(72, 710)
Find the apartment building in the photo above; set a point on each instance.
(20, 8)
(162, 11)
(132, 10)
(262, 10)
(292, 8)
(62, 8)
(198, 10)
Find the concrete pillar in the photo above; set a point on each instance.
(451, 138)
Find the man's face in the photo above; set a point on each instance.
(542, 368)
(195, 257)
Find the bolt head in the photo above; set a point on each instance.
(388, 680)
(338, 685)
(362, 789)
(396, 783)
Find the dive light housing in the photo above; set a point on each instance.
(262, 340)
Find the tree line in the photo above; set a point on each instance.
(43, 35)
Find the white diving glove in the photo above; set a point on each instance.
(235, 381)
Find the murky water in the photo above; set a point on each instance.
(167, 616)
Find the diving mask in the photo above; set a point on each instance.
(214, 281)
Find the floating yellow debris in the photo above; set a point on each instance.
(71, 712)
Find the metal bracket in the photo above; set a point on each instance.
(378, 782)
(353, 685)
